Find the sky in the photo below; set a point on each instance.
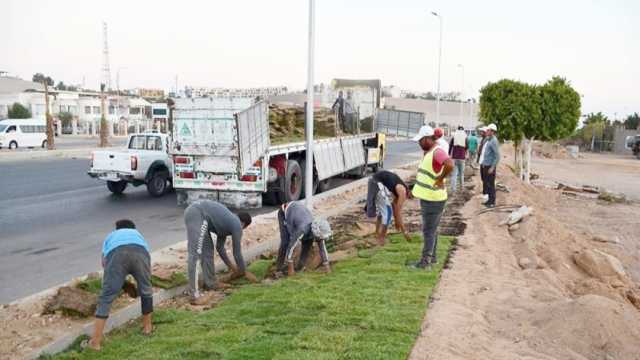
(245, 43)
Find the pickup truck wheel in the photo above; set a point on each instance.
(157, 185)
(117, 187)
(293, 181)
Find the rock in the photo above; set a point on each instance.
(599, 264)
(514, 227)
(634, 298)
(73, 301)
(526, 263)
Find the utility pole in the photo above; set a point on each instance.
(308, 178)
(462, 96)
(439, 65)
(49, 119)
(104, 132)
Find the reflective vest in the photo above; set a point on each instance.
(424, 188)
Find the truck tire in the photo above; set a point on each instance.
(324, 185)
(117, 187)
(292, 181)
(157, 184)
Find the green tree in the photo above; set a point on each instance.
(18, 111)
(632, 122)
(65, 118)
(40, 78)
(61, 86)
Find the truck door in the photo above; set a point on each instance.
(252, 126)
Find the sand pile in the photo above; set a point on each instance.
(555, 286)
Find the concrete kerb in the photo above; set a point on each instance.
(132, 311)
(46, 154)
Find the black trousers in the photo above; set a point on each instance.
(488, 183)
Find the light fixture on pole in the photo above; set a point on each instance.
(439, 64)
(308, 178)
(461, 95)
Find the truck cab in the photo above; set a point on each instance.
(145, 161)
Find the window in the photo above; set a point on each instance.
(62, 108)
(41, 128)
(112, 110)
(87, 109)
(134, 111)
(11, 128)
(159, 111)
(26, 129)
(154, 143)
(2, 128)
(138, 143)
(73, 110)
(96, 109)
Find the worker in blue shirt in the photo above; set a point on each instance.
(124, 252)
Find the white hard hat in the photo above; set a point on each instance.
(492, 127)
(426, 130)
(321, 229)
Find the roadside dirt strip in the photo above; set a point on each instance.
(562, 284)
(26, 333)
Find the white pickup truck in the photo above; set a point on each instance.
(144, 161)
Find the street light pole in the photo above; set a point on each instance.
(462, 96)
(439, 65)
(308, 178)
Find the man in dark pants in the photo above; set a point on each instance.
(490, 159)
(201, 219)
(429, 188)
(297, 226)
(483, 140)
(124, 252)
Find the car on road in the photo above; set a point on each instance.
(144, 161)
(28, 133)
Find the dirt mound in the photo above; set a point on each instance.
(550, 150)
(591, 326)
(72, 301)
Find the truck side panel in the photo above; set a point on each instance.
(253, 135)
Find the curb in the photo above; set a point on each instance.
(46, 154)
(132, 311)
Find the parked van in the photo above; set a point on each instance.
(16, 133)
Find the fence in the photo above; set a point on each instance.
(398, 122)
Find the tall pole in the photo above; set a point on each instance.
(439, 65)
(48, 119)
(461, 96)
(308, 178)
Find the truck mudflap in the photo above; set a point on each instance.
(231, 199)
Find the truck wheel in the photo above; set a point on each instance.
(117, 187)
(157, 185)
(13, 145)
(293, 181)
(324, 185)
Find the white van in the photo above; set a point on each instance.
(16, 133)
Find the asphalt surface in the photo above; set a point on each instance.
(53, 219)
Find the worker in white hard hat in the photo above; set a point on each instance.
(488, 163)
(430, 189)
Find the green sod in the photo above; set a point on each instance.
(370, 307)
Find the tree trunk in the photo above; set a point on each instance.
(529, 150)
(49, 119)
(104, 130)
(516, 158)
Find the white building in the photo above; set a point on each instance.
(262, 92)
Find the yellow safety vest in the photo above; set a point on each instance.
(424, 188)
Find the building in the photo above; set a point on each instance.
(123, 113)
(149, 93)
(261, 92)
(159, 116)
(452, 114)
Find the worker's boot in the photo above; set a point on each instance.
(290, 270)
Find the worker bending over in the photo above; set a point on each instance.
(124, 252)
(201, 219)
(399, 193)
(297, 226)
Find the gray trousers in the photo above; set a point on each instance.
(125, 260)
(457, 175)
(372, 191)
(431, 214)
(200, 249)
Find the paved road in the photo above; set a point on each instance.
(53, 219)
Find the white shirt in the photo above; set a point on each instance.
(482, 153)
(444, 144)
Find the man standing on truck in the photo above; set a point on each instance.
(201, 219)
(429, 188)
(397, 188)
(124, 252)
(297, 226)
